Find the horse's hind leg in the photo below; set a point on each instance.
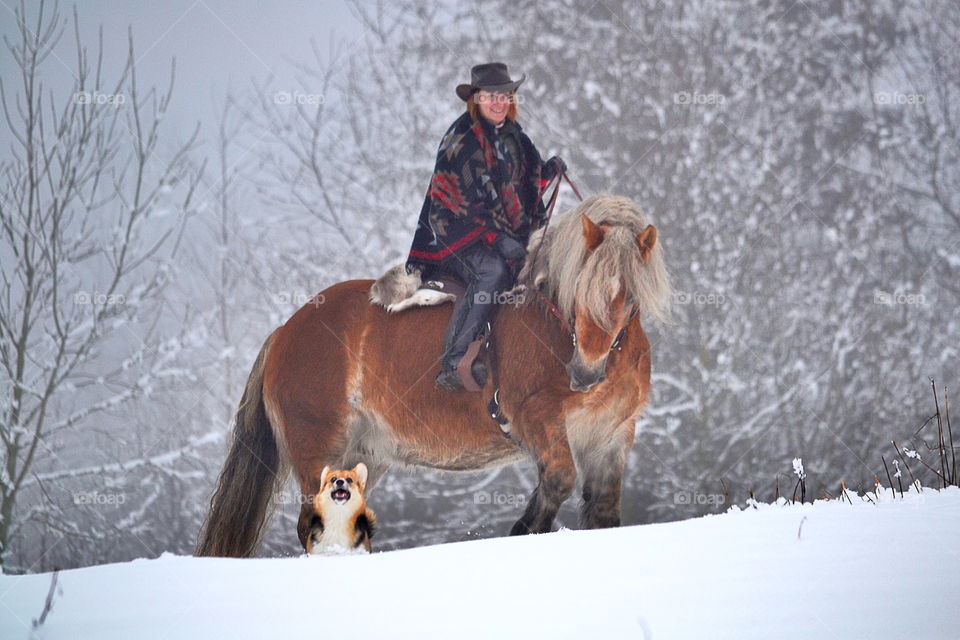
(601, 468)
(546, 440)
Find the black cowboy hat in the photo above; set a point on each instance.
(491, 76)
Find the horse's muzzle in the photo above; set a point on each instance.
(583, 379)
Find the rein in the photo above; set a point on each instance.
(494, 409)
(614, 346)
(551, 204)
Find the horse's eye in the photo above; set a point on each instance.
(349, 480)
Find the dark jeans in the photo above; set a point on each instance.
(487, 275)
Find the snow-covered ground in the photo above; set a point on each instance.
(823, 570)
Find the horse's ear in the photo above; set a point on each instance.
(323, 475)
(646, 240)
(592, 233)
(361, 471)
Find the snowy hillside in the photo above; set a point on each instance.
(823, 570)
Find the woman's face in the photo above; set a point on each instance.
(494, 105)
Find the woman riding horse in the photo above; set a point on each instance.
(483, 203)
(349, 381)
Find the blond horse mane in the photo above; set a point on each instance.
(575, 278)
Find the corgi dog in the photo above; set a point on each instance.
(342, 521)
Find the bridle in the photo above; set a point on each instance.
(493, 407)
(615, 346)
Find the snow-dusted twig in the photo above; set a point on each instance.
(801, 480)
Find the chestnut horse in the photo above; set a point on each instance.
(344, 381)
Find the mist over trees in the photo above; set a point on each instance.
(799, 160)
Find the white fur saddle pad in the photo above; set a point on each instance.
(397, 290)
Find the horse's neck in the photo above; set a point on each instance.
(534, 327)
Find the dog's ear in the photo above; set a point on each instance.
(361, 471)
(323, 475)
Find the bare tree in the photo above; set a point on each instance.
(87, 208)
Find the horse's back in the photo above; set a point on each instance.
(345, 368)
(330, 321)
(341, 340)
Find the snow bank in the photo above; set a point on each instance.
(823, 570)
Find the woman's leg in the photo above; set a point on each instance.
(487, 275)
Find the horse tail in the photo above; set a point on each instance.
(251, 474)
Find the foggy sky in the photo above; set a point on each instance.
(218, 44)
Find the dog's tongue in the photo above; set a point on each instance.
(341, 494)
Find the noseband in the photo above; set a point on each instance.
(615, 346)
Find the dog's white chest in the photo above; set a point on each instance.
(338, 536)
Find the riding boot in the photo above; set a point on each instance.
(468, 320)
(449, 377)
(487, 274)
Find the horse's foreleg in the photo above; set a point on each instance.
(602, 471)
(554, 488)
(547, 443)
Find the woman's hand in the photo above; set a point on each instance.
(553, 167)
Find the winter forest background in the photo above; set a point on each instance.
(799, 157)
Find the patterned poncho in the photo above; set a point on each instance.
(484, 184)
